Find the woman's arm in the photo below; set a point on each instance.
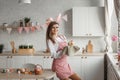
(53, 50)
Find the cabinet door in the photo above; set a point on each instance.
(93, 68)
(88, 21)
(96, 21)
(80, 21)
(3, 61)
(47, 62)
(75, 64)
(18, 61)
(34, 60)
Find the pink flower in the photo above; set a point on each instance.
(114, 38)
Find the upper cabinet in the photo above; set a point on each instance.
(88, 21)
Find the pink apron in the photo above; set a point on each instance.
(60, 65)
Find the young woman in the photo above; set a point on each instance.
(55, 44)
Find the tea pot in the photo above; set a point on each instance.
(38, 69)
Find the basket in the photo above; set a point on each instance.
(26, 51)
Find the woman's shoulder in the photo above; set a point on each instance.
(61, 35)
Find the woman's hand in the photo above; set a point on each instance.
(71, 43)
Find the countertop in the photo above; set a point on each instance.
(42, 53)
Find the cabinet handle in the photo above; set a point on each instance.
(11, 56)
(82, 57)
(44, 57)
(48, 57)
(90, 34)
(51, 57)
(85, 57)
(7, 56)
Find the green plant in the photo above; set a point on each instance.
(21, 47)
(25, 46)
(26, 19)
(30, 46)
(1, 48)
(1, 45)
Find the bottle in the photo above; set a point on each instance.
(21, 23)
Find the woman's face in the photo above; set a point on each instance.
(54, 29)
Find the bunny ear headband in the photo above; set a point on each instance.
(58, 19)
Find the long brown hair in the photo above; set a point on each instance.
(48, 33)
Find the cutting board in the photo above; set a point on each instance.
(89, 47)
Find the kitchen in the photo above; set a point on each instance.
(39, 11)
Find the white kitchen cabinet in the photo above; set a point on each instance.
(6, 62)
(93, 67)
(44, 61)
(3, 63)
(75, 63)
(35, 60)
(16, 61)
(88, 21)
(47, 62)
(88, 67)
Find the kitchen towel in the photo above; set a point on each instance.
(70, 50)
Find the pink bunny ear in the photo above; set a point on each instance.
(58, 19)
(20, 29)
(49, 20)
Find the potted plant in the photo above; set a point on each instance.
(1, 48)
(21, 46)
(25, 46)
(30, 46)
(27, 21)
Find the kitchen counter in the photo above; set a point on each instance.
(42, 53)
(114, 62)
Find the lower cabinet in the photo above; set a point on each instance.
(3, 62)
(75, 63)
(88, 67)
(47, 62)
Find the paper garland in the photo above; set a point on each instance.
(9, 30)
(28, 29)
(65, 18)
(58, 19)
(38, 27)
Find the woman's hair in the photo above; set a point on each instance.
(48, 33)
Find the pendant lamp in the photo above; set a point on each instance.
(25, 1)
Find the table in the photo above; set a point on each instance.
(46, 75)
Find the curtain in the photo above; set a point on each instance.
(108, 14)
(117, 8)
(117, 11)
